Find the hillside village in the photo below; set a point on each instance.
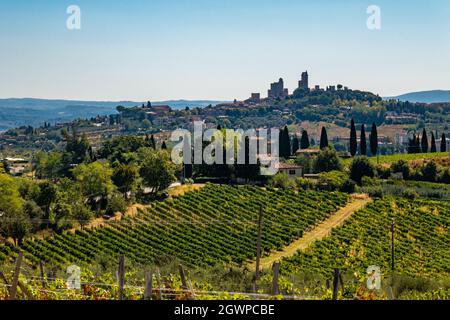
(306, 108)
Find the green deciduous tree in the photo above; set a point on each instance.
(126, 178)
(327, 160)
(361, 167)
(48, 165)
(94, 179)
(14, 222)
(157, 170)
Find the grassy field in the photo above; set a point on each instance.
(439, 156)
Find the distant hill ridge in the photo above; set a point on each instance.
(16, 112)
(431, 96)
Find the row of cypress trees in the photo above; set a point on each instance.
(285, 150)
(285, 147)
(373, 140)
(416, 144)
(419, 144)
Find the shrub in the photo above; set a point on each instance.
(303, 183)
(410, 194)
(333, 180)
(370, 182)
(116, 204)
(383, 172)
(348, 186)
(402, 167)
(361, 167)
(281, 180)
(445, 176)
(375, 192)
(429, 171)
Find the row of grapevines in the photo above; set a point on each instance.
(421, 240)
(208, 226)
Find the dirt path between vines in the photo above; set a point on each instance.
(321, 231)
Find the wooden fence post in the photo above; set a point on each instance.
(121, 276)
(158, 280)
(335, 283)
(276, 270)
(148, 285)
(41, 267)
(25, 291)
(341, 281)
(15, 281)
(183, 277)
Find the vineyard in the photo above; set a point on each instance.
(421, 238)
(212, 225)
(440, 157)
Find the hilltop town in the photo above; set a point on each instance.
(305, 108)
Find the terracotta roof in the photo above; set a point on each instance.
(283, 165)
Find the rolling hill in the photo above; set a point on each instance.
(34, 112)
(433, 96)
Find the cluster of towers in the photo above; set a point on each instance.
(277, 89)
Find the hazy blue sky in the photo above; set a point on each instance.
(208, 49)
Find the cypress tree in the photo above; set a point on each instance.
(152, 142)
(323, 138)
(363, 143)
(304, 140)
(443, 143)
(287, 142)
(353, 142)
(281, 146)
(424, 142)
(433, 143)
(295, 145)
(374, 140)
(417, 145)
(411, 144)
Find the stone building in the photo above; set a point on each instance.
(277, 90)
(303, 83)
